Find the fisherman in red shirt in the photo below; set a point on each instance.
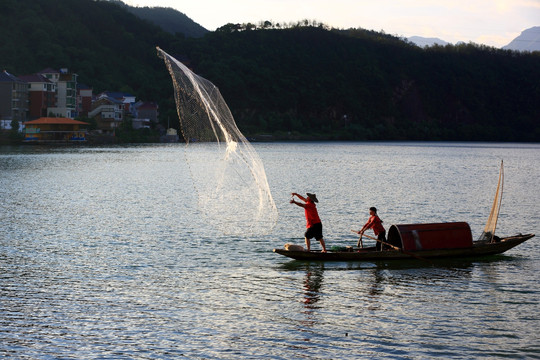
(314, 225)
(375, 223)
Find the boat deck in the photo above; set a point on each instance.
(479, 248)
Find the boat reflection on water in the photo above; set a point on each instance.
(312, 284)
(377, 284)
(403, 264)
(311, 295)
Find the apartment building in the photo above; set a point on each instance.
(41, 93)
(13, 100)
(66, 92)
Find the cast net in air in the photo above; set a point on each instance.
(227, 173)
(489, 230)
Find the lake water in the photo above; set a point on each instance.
(103, 255)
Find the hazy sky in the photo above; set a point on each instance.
(490, 22)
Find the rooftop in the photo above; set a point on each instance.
(116, 95)
(49, 71)
(147, 105)
(34, 78)
(48, 120)
(7, 77)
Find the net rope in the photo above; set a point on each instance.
(228, 174)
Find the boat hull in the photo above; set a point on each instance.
(479, 248)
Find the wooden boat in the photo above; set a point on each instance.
(425, 241)
(478, 248)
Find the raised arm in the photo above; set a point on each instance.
(296, 202)
(299, 196)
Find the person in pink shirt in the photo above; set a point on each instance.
(313, 222)
(375, 223)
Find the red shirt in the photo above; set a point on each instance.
(312, 216)
(375, 223)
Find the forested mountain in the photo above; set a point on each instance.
(303, 81)
(358, 84)
(110, 48)
(170, 20)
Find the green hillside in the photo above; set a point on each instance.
(170, 20)
(110, 48)
(358, 84)
(304, 81)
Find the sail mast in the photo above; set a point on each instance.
(491, 225)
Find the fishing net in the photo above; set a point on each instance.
(227, 173)
(491, 224)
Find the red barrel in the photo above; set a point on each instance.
(416, 237)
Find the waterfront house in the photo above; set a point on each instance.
(144, 114)
(84, 99)
(13, 100)
(55, 130)
(109, 114)
(126, 99)
(66, 90)
(42, 94)
(146, 110)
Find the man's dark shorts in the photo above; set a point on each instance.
(314, 232)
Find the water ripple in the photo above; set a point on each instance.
(102, 255)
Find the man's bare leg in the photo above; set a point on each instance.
(323, 245)
(308, 244)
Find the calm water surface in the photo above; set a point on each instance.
(103, 255)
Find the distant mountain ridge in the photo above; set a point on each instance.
(528, 40)
(423, 42)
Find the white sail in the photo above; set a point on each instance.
(491, 225)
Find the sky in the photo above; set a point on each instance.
(490, 22)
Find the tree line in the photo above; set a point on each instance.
(310, 81)
(300, 80)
